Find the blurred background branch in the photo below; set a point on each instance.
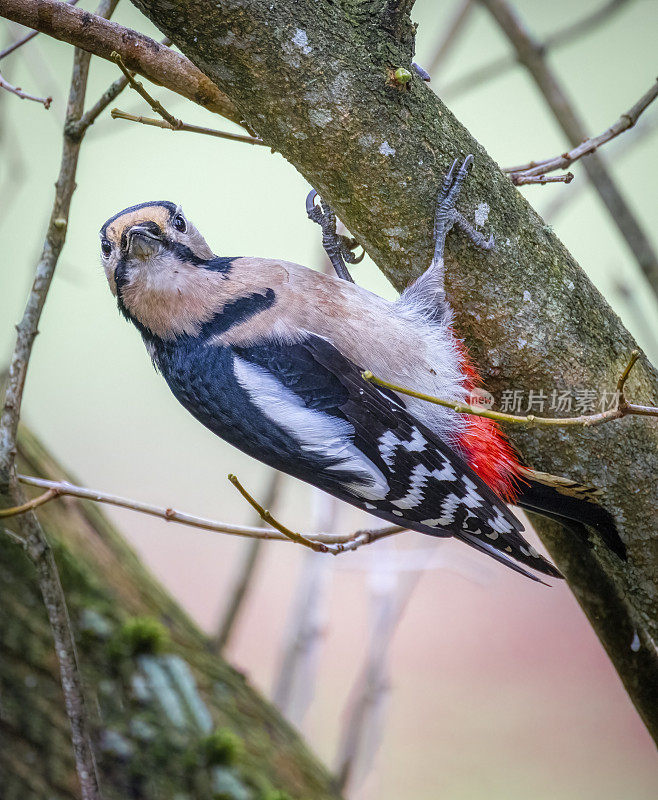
(532, 56)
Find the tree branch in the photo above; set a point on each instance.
(333, 542)
(531, 56)
(27, 38)
(449, 37)
(245, 573)
(565, 35)
(626, 121)
(45, 101)
(183, 126)
(525, 180)
(140, 53)
(29, 529)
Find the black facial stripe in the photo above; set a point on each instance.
(183, 253)
(237, 312)
(171, 207)
(121, 274)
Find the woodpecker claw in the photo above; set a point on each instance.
(310, 201)
(338, 248)
(447, 215)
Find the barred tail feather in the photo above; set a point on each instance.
(566, 500)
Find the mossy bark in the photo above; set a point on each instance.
(170, 719)
(315, 81)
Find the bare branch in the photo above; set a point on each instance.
(522, 179)
(110, 94)
(626, 121)
(532, 57)
(15, 511)
(295, 681)
(183, 126)
(140, 53)
(317, 543)
(347, 542)
(246, 571)
(617, 150)
(45, 101)
(156, 105)
(622, 408)
(28, 37)
(499, 66)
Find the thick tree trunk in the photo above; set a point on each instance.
(316, 81)
(171, 719)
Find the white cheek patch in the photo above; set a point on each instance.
(314, 431)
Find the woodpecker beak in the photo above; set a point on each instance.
(143, 242)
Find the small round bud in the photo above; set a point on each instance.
(401, 76)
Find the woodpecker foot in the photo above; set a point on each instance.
(337, 247)
(447, 215)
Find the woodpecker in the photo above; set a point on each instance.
(269, 356)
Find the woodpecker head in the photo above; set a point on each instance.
(156, 263)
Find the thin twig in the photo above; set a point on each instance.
(45, 101)
(15, 537)
(14, 511)
(344, 541)
(626, 121)
(622, 409)
(110, 94)
(156, 105)
(523, 179)
(27, 38)
(617, 150)
(562, 36)
(266, 516)
(245, 572)
(532, 57)
(116, 113)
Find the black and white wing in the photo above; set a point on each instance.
(328, 426)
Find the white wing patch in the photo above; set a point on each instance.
(417, 443)
(418, 480)
(448, 508)
(387, 443)
(471, 499)
(500, 524)
(314, 431)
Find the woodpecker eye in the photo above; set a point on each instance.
(179, 223)
(106, 248)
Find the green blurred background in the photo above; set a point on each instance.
(498, 687)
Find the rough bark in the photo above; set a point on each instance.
(316, 82)
(171, 719)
